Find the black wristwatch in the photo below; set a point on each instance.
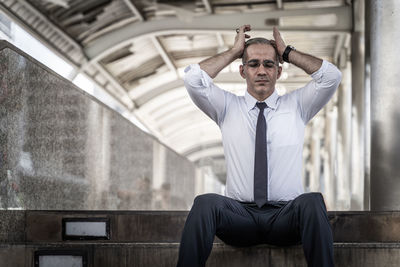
(285, 55)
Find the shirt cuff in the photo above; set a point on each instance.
(319, 73)
(195, 71)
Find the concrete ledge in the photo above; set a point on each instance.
(166, 226)
(165, 254)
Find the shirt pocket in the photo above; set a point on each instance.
(282, 129)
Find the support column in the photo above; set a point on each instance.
(330, 157)
(358, 109)
(315, 176)
(384, 38)
(344, 136)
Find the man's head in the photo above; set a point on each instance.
(260, 67)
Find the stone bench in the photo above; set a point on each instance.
(151, 238)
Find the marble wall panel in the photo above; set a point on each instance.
(62, 149)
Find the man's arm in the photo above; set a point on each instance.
(213, 65)
(326, 78)
(198, 78)
(306, 62)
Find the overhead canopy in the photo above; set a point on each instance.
(137, 51)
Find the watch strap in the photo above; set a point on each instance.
(285, 55)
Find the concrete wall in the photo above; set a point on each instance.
(62, 149)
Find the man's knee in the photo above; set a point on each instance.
(311, 203)
(207, 201)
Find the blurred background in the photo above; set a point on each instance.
(130, 55)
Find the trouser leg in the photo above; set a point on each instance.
(212, 215)
(305, 219)
(316, 231)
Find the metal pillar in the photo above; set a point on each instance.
(344, 138)
(315, 185)
(331, 145)
(384, 37)
(358, 109)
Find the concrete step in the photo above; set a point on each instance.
(165, 254)
(166, 226)
(151, 238)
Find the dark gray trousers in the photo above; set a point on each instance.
(303, 220)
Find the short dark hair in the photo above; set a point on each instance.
(258, 40)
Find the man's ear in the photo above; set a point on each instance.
(241, 70)
(279, 72)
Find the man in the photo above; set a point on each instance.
(263, 136)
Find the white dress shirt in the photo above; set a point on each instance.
(286, 117)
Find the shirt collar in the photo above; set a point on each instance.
(271, 101)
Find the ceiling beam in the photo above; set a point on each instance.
(129, 102)
(279, 4)
(183, 121)
(209, 152)
(186, 144)
(208, 7)
(185, 140)
(111, 41)
(190, 129)
(164, 55)
(199, 147)
(339, 44)
(134, 10)
(220, 40)
(13, 9)
(221, 43)
(174, 117)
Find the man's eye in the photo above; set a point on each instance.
(269, 64)
(253, 64)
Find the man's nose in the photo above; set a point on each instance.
(261, 70)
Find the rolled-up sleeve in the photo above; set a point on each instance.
(314, 96)
(205, 94)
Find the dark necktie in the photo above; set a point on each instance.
(260, 160)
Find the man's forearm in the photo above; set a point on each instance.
(306, 62)
(213, 65)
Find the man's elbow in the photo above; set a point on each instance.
(339, 76)
(335, 78)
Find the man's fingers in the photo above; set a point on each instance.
(246, 27)
(273, 43)
(277, 36)
(276, 33)
(279, 43)
(240, 39)
(243, 28)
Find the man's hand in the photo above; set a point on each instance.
(240, 39)
(304, 61)
(213, 65)
(279, 43)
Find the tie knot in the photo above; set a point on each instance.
(261, 105)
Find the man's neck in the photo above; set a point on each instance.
(261, 98)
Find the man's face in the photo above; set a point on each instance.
(260, 80)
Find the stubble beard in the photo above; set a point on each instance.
(265, 91)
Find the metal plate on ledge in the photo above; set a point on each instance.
(60, 258)
(86, 228)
